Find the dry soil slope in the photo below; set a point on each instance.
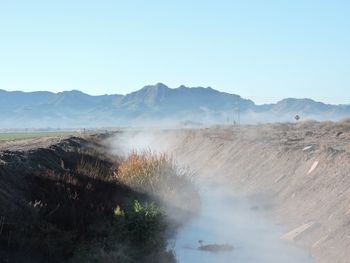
(302, 172)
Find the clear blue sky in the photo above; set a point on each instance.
(264, 50)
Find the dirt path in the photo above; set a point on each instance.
(30, 144)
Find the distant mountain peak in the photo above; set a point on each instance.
(74, 91)
(157, 86)
(204, 88)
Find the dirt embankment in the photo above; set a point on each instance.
(72, 200)
(50, 193)
(297, 173)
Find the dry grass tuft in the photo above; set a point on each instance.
(94, 168)
(152, 173)
(157, 175)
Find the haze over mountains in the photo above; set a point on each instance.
(151, 105)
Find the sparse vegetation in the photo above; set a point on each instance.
(139, 224)
(135, 233)
(84, 207)
(155, 174)
(144, 223)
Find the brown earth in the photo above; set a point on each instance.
(58, 201)
(298, 174)
(53, 191)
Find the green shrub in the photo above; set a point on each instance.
(137, 233)
(144, 225)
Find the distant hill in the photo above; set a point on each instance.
(161, 101)
(153, 104)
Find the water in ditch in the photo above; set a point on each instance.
(227, 219)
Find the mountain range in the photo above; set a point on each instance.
(152, 105)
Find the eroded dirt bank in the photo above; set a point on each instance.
(51, 191)
(296, 174)
(71, 200)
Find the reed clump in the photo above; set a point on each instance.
(154, 173)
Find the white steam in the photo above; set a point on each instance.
(225, 218)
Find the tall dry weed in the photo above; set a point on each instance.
(153, 173)
(159, 176)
